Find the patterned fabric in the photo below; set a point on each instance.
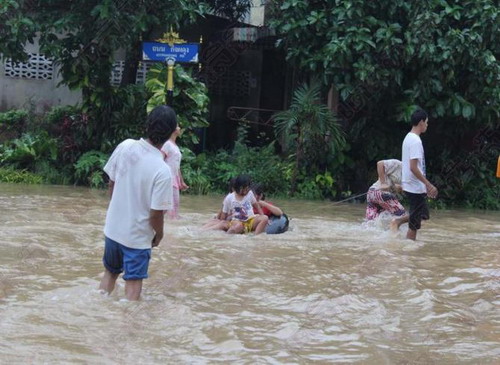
(379, 201)
(174, 212)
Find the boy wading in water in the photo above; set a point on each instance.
(140, 185)
(415, 185)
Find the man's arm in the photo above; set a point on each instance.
(156, 221)
(431, 189)
(111, 186)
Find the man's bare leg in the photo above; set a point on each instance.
(108, 281)
(133, 289)
(411, 234)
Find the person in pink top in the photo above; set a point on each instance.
(173, 157)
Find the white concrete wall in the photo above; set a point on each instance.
(17, 93)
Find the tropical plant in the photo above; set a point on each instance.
(26, 151)
(382, 59)
(190, 99)
(89, 169)
(14, 120)
(308, 128)
(10, 175)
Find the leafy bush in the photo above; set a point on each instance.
(89, 169)
(190, 99)
(469, 180)
(193, 172)
(14, 121)
(24, 152)
(9, 175)
(14, 117)
(53, 174)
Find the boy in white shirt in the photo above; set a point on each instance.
(140, 185)
(414, 183)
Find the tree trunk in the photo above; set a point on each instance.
(132, 59)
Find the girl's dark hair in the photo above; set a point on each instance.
(230, 184)
(241, 182)
(161, 123)
(258, 189)
(417, 116)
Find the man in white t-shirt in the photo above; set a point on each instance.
(140, 186)
(414, 183)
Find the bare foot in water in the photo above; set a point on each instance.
(394, 225)
(397, 222)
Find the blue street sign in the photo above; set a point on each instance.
(180, 52)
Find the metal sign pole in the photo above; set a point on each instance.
(170, 49)
(169, 97)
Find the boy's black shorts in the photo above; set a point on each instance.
(418, 209)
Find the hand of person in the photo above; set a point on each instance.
(156, 240)
(398, 188)
(384, 186)
(432, 191)
(184, 186)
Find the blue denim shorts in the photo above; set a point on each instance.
(118, 258)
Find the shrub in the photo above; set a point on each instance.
(190, 99)
(9, 175)
(89, 169)
(24, 152)
(14, 122)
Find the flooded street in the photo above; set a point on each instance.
(330, 290)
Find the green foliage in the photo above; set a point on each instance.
(89, 169)
(10, 175)
(308, 128)
(24, 152)
(385, 58)
(79, 129)
(17, 28)
(193, 172)
(53, 173)
(73, 131)
(321, 186)
(211, 172)
(15, 118)
(308, 189)
(470, 179)
(190, 99)
(233, 10)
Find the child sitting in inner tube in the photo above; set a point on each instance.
(278, 221)
(239, 207)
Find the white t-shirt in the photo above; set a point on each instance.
(392, 169)
(413, 149)
(241, 210)
(173, 159)
(142, 182)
